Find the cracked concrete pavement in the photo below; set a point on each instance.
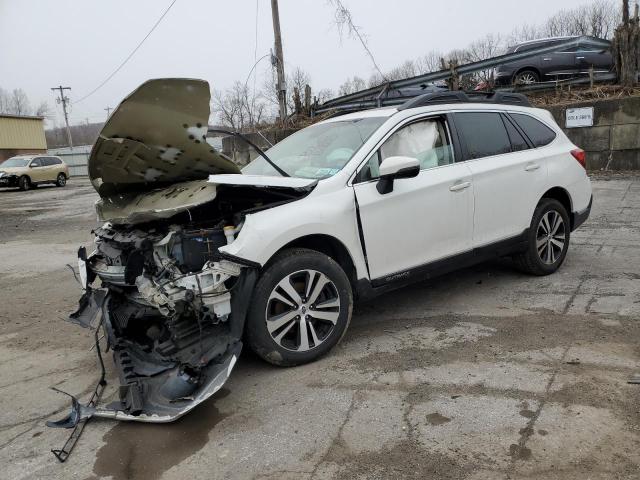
(482, 374)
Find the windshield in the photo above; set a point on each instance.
(15, 162)
(318, 151)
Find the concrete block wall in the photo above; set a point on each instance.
(613, 143)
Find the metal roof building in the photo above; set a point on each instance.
(21, 134)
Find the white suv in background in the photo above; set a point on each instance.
(196, 257)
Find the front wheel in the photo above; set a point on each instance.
(24, 183)
(548, 239)
(301, 308)
(61, 181)
(526, 77)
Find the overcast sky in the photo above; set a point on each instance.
(78, 43)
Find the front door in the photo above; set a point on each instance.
(37, 170)
(425, 218)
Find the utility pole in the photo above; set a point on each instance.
(282, 85)
(108, 109)
(64, 101)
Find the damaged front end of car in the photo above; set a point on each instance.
(171, 304)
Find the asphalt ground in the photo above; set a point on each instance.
(485, 373)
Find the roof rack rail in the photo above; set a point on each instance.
(459, 96)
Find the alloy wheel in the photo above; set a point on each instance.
(302, 310)
(526, 78)
(550, 237)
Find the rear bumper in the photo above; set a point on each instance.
(578, 218)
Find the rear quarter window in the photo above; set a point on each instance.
(539, 134)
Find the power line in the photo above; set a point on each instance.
(129, 56)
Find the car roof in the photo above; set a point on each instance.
(392, 111)
(546, 39)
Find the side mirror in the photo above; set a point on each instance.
(393, 168)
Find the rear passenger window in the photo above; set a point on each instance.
(53, 161)
(484, 133)
(538, 132)
(518, 142)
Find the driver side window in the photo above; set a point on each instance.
(426, 140)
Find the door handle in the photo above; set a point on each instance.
(580, 58)
(546, 59)
(459, 186)
(531, 167)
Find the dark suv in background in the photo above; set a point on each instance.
(568, 62)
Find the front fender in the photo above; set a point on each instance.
(333, 214)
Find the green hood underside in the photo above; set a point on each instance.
(156, 137)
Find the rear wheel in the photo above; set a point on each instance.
(61, 181)
(300, 309)
(24, 183)
(548, 239)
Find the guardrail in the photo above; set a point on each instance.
(390, 93)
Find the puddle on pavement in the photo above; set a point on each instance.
(144, 450)
(437, 419)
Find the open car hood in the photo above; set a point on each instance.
(156, 137)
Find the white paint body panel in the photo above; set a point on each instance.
(422, 220)
(506, 190)
(260, 180)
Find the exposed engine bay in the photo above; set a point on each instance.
(171, 305)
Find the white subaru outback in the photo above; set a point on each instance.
(196, 257)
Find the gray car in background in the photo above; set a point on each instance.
(565, 63)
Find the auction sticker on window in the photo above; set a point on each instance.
(579, 117)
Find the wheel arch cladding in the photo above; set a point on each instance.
(328, 245)
(560, 194)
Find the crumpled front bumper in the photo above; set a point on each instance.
(160, 397)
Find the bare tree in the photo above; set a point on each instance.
(43, 109)
(352, 85)
(19, 102)
(295, 79)
(324, 95)
(598, 19)
(236, 107)
(488, 46)
(430, 62)
(343, 18)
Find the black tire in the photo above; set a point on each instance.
(61, 181)
(291, 264)
(526, 77)
(24, 183)
(532, 261)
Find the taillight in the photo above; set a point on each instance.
(580, 156)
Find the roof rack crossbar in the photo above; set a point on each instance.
(459, 96)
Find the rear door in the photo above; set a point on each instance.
(425, 218)
(507, 176)
(600, 59)
(560, 64)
